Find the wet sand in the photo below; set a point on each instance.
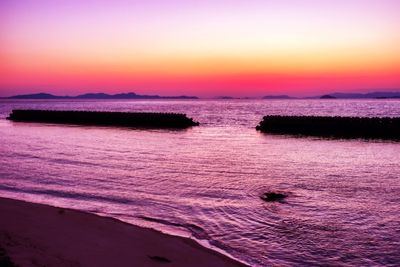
(40, 235)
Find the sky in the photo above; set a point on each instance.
(204, 48)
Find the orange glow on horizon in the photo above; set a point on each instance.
(237, 53)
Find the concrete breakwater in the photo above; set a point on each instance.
(123, 119)
(337, 127)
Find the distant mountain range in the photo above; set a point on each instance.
(362, 96)
(373, 95)
(98, 96)
(277, 97)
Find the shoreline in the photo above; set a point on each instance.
(41, 235)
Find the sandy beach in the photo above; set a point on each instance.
(41, 235)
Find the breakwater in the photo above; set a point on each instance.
(337, 127)
(123, 119)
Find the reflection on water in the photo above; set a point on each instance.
(342, 205)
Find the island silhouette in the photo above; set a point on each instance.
(130, 95)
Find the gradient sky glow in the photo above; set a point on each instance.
(204, 48)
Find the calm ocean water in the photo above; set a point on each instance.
(205, 182)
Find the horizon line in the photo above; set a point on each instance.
(356, 91)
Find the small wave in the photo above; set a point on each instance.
(67, 194)
(72, 162)
(54, 160)
(195, 230)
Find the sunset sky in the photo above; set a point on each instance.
(204, 48)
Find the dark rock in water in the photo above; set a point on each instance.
(120, 119)
(333, 127)
(272, 196)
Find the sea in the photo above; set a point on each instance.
(343, 196)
